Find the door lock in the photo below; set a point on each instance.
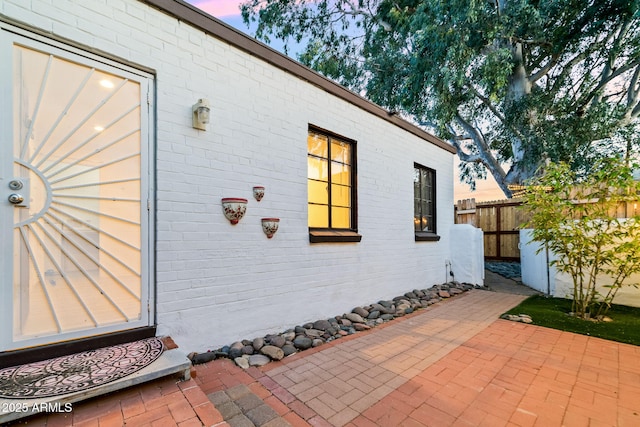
(20, 194)
(16, 184)
(16, 198)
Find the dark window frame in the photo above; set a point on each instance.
(330, 234)
(431, 234)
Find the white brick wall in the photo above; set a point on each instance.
(217, 283)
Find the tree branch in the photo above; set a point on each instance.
(464, 156)
(497, 113)
(484, 155)
(604, 81)
(634, 88)
(544, 70)
(613, 54)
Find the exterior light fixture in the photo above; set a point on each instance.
(201, 112)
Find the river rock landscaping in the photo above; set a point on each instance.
(262, 350)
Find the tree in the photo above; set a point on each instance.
(512, 84)
(574, 217)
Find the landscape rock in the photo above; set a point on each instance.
(288, 349)
(258, 360)
(198, 358)
(402, 306)
(302, 342)
(258, 343)
(322, 325)
(278, 341)
(373, 314)
(360, 311)
(354, 317)
(235, 352)
(522, 318)
(243, 362)
(275, 353)
(314, 333)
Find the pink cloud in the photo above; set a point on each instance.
(218, 8)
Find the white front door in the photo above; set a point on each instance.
(74, 194)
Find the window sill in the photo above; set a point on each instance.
(423, 236)
(331, 236)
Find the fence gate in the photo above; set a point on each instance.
(500, 221)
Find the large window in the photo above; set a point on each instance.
(424, 203)
(331, 187)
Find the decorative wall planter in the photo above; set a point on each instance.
(258, 192)
(270, 226)
(234, 208)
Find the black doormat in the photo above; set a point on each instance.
(78, 372)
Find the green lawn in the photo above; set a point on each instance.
(553, 313)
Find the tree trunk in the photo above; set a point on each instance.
(519, 87)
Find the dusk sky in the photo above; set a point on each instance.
(218, 8)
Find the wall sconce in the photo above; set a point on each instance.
(201, 112)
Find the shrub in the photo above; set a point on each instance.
(575, 218)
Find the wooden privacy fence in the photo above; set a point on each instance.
(501, 220)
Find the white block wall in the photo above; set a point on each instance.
(217, 283)
(467, 251)
(539, 275)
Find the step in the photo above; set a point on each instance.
(170, 362)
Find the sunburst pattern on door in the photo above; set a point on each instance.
(77, 167)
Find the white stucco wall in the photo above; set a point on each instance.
(626, 295)
(538, 274)
(467, 251)
(217, 283)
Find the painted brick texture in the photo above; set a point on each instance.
(217, 283)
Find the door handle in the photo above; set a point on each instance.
(16, 198)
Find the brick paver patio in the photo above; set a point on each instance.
(453, 364)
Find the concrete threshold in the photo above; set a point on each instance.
(170, 362)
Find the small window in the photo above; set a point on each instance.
(424, 203)
(331, 188)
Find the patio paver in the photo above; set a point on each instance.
(453, 364)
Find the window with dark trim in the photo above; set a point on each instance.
(424, 203)
(331, 186)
